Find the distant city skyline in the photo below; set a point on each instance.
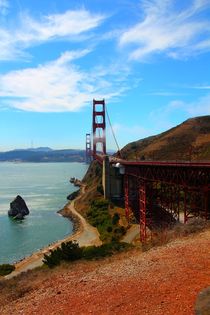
(149, 60)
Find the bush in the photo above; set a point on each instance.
(71, 251)
(5, 269)
(115, 218)
(98, 216)
(94, 252)
(108, 226)
(53, 259)
(108, 249)
(109, 229)
(68, 251)
(100, 189)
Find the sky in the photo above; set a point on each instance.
(149, 60)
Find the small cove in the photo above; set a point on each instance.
(44, 187)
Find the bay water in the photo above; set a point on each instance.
(44, 187)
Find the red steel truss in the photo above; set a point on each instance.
(170, 186)
(173, 188)
(99, 126)
(126, 190)
(142, 208)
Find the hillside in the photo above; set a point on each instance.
(187, 141)
(165, 280)
(43, 155)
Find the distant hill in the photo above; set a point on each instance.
(189, 140)
(41, 149)
(43, 155)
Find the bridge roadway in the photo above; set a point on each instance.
(172, 185)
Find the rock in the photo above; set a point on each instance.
(202, 306)
(19, 216)
(75, 181)
(18, 208)
(73, 195)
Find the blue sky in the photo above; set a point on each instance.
(149, 59)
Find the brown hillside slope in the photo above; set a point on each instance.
(165, 280)
(189, 140)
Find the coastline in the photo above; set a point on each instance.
(83, 233)
(67, 213)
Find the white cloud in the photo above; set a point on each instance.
(165, 29)
(68, 24)
(164, 93)
(29, 31)
(58, 86)
(201, 87)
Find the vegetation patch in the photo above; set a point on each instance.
(70, 251)
(5, 269)
(108, 226)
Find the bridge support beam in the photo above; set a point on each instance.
(126, 194)
(142, 206)
(106, 177)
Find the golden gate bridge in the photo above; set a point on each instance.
(148, 186)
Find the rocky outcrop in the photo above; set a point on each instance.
(18, 208)
(75, 181)
(73, 195)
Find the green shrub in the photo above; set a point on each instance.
(115, 218)
(109, 229)
(70, 251)
(5, 269)
(108, 249)
(53, 259)
(100, 189)
(94, 252)
(98, 215)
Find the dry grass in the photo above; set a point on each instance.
(179, 230)
(175, 144)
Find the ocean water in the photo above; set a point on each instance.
(44, 187)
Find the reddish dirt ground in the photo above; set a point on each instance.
(164, 280)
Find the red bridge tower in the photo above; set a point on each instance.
(99, 126)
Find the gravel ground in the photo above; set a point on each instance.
(165, 280)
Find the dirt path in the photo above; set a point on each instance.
(85, 236)
(131, 234)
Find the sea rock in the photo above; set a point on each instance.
(18, 208)
(19, 216)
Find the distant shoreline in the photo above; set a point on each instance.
(45, 155)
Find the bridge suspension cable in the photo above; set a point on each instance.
(112, 130)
